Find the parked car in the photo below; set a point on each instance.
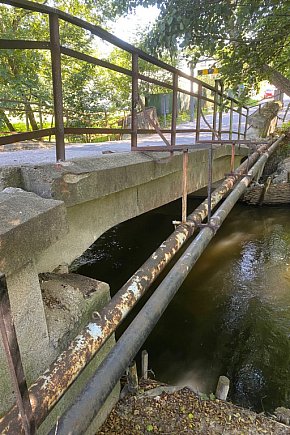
(269, 92)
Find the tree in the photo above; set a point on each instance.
(25, 75)
(250, 39)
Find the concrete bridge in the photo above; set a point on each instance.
(51, 213)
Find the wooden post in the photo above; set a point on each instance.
(222, 388)
(132, 378)
(144, 364)
(57, 85)
(134, 119)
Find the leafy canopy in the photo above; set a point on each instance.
(243, 35)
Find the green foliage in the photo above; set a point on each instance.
(25, 75)
(243, 37)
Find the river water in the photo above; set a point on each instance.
(232, 314)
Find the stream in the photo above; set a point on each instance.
(232, 314)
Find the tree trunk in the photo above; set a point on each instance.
(31, 116)
(277, 79)
(6, 120)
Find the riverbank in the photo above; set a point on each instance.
(274, 186)
(161, 409)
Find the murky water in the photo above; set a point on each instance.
(232, 314)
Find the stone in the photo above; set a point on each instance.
(263, 121)
(29, 224)
(283, 415)
(10, 176)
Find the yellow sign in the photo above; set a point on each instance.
(204, 72)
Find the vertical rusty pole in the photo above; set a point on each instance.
(246, 123)
(174, 109)
(184, 185)
(12, 352)
(240, 122)
(134, 119)
(198, 112)
(231, 120)
(214, 115)
(57, 85)
(209, 185)
(233, 159)
(221, 111)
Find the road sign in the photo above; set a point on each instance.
(203, 72)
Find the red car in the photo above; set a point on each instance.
(269, 93)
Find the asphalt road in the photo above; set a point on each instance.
(76, 151)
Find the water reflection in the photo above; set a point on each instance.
(232, 314)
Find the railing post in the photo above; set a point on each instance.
(246, 123)
(221, 112)
(214, 115)
(12, 351)
(198, 112)
(134, 119)
(192, 102)
(240, 122)
(184, 185)
(57, 85)
(174, 109)
(231, 120)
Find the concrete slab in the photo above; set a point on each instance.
(29, 224)
(84, 180)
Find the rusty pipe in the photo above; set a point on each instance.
(78, 417)
(50, 387)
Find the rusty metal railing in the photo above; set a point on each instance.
(220, 101)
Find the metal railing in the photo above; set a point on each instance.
(218, 99)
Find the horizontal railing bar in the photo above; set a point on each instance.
(234, 141)
(94, 60)
(23, 44)
(155, 81)
(19, 137)
(193, 94)
(98, 31)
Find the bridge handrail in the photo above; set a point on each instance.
(220, 100)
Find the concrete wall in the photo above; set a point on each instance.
(112, 190)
